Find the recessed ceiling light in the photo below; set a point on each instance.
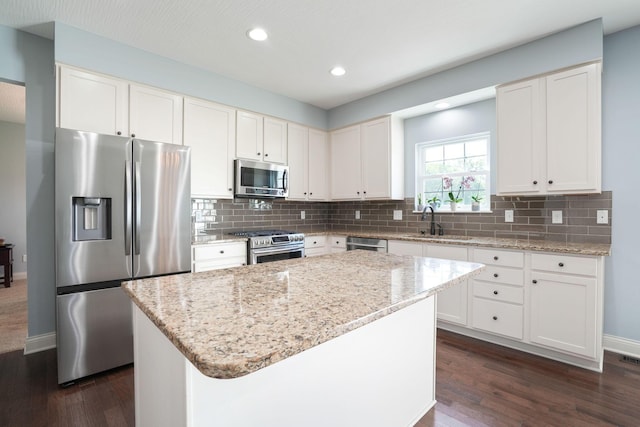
(257, 34)
(442, 105)
(338, 71)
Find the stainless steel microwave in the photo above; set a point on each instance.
(260, 179)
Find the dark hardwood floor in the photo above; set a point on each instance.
(478, 384)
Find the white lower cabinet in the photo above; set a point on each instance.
(214, 256)
(315, 245)
(544, 303)
(452, 302)
(337, 244)
(566, 307)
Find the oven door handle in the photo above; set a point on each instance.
(277, 250)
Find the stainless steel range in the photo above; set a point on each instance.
(272, 245)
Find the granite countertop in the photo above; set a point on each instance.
(205, 239)
(232, 322)
(591, 249)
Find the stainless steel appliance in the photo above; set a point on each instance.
(122, 212)
(272, 245)
(260, 179)
(378, 245)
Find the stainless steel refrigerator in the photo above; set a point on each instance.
(122, 212)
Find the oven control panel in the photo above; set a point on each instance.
(279, 240)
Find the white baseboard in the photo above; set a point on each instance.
(19, 276)
(40, 343)
(623, 346)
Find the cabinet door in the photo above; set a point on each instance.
(210, 130)
(452, 302)
(275, 140)
(563, 312)
(249, 136)
(346, 176)
(93, 103)
(397, 247)
(318, 165)
(375, 146)
(155, 115)
(520, 144)
(297, 147)
(573, 130)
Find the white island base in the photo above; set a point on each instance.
(381, 374)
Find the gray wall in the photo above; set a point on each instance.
(86, 50)
(621, 158)
(28, 59)
(13, 218)
(465, 120)
(579, 44)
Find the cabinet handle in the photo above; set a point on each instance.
(495, 292)
(535, 182)
(550, 181)
(258, 154)
(337, 242)
(364, 192)
(357, 192)
(222, 251)
(230, 189)
(495, 258)
(315, 243)
(495, 274)
(118, 133)
(305, 193)
(265, 154)
(534, 281)
(495, 317)
(561, 264)
(311, 194)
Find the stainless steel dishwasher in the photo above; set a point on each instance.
(377, 245)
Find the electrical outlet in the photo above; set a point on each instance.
(397, 214)
(602, 217)
(357, 214)
(508, 215)
(556, 217)
(302, 215)
(24, 258)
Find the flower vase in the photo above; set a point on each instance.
(475, 206)
(420, 207)
(454, 206)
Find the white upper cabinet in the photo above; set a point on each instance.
(346, 175)
(155, 115)
(308, 163)
(367, 161)
(92, 102)
(261, 138)
(210, 131)
(549, 133)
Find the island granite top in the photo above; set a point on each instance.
(232, 322)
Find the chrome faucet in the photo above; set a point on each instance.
(432, 229)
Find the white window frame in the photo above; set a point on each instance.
(445, 207)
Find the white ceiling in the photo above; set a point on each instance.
(381, 43)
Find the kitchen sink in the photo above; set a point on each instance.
(439, 238)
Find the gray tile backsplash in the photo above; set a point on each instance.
(532, 217)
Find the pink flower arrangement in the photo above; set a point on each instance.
(447, 184)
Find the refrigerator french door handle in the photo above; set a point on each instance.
(127, 208)
(137, 207)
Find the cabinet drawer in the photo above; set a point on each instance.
(495, 274)
(498, 317)
(565, 264)
(338, 241)
(220, 251)
(498, 292)
(497, 257)
(315, 242)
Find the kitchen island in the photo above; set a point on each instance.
(341, 339)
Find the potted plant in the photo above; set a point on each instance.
(434, 202)
(420, 205)
(455, 199)
(475, 205)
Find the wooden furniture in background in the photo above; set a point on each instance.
(6, 260)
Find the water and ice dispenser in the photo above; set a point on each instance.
(91, 218)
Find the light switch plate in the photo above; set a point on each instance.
(302, 215)
(357, 214)
(508, 215)
(397, 214)
(556, 217)
(602, 216)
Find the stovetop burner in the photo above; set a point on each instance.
(262, 233)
